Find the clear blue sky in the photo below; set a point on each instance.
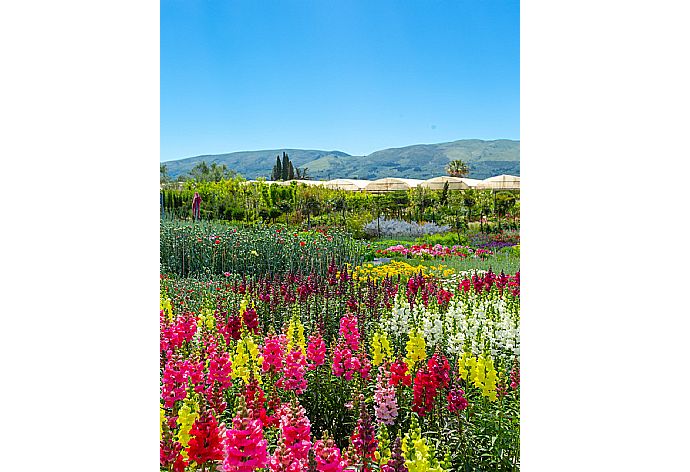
(354, 76)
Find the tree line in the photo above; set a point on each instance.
(203, 172)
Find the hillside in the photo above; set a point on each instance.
(421, 161)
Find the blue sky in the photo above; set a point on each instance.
(353, 76)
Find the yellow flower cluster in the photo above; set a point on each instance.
(186, 417)
(419, 456)
(206, 319)
(441, 271)
(246, 361)
(162, 421)
(243, 307)
(398, 268)
(381, 348)
(481, 372)
(383, 451)
(416, 349)
(392, 269)
(166, 306)
(295, 335)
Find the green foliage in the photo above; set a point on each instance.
(202, 172)
(243, 202)
(445, 239)
(504, 260)
(187, 249)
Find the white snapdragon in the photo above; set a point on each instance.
(432, 328)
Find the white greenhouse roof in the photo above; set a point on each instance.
(501, 182)
(437, 183)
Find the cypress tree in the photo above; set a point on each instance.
(291, 172)
(286, 167)
(444, 194)
(277, 170)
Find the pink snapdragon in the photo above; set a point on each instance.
(293, 373)
(316, 351)
(349, 331)
(327, 456)
(292, 453)
(386, 408)
(174, 386)
(173, 334)
(244, 445)
(344, 362)
(515, 378)
(219, 370)
(456, 400)
(273, 353)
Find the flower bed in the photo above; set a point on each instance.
(427, 251)
(325, 371)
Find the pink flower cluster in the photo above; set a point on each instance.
(345, 360)
(426, 251)
(290, 367)
(244, 445)
(349, 331)
(293, 373)
(515, 378)
(173, 334)
(292, 453)
(273, 353)
(316, 351)
(386, 408)
(177, 375)
(327, 456)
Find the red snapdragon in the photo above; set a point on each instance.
(204, 443)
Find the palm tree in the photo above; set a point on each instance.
(458, 168)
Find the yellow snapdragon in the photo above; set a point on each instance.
(166, 306)
(381, 348)
(419, 456)
(489, 389)
(246, 361)
(416, 349)
(206, 319)
(295, 335)
(243, 307)
(162, 421)
(463, 364)
(481, 372)
(186, 417)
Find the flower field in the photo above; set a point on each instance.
(318, 362)
(427, 251)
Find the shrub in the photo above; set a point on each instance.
(445, 239)
(396, 228)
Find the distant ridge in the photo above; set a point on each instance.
(419, 161)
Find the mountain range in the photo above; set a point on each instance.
(419, 161)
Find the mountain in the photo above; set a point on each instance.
(420, 161)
